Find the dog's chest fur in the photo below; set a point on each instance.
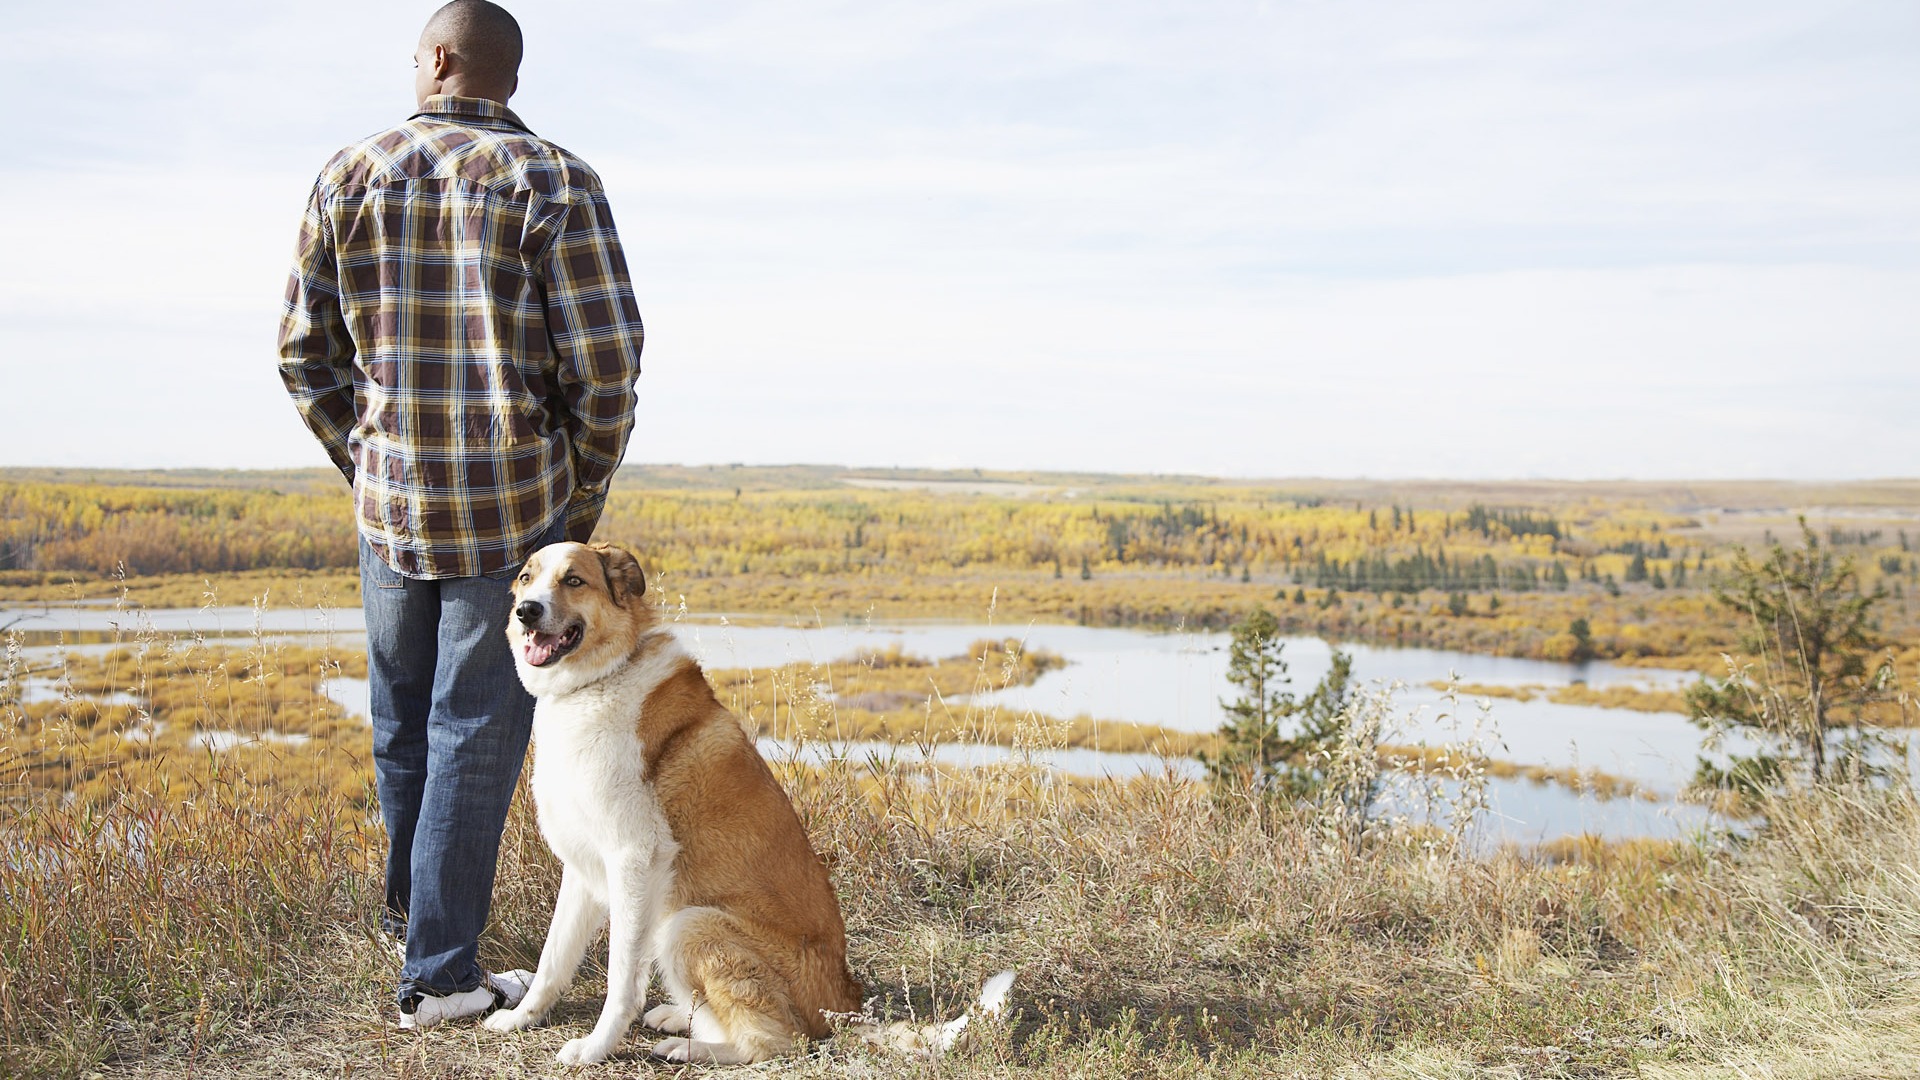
(597, 806)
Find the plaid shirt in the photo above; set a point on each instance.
(460, 334)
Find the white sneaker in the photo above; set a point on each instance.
(511, 986)
(501, 991)
(431, 1011)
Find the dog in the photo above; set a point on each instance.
(672, 833)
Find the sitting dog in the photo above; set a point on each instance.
(672, 832)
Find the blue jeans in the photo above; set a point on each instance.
(450, 729)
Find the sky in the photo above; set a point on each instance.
(1477, 239)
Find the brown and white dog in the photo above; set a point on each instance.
(671, 832)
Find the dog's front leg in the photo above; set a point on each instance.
(577, 917)
(635, 890)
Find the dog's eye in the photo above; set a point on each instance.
(575, 580)
(524, 578)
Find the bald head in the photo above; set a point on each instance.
(470, 48)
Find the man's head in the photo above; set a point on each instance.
(470, 48)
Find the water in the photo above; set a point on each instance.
(227, 740)
(1174, 680)
(211, 621)
(1177, 680)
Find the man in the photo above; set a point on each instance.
(460, 334)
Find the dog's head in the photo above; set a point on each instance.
(577, 611)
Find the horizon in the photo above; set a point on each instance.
(1016, 474)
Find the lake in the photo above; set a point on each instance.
(1175, 680)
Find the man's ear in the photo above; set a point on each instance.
(624, 577)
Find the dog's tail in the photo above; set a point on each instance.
(933, 1040)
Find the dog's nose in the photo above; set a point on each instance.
(529, 611)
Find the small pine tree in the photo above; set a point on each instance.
(1250, 737)
(1582, 640)
(1812, 634)
(1257, 759)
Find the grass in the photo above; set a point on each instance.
(1639, 699)
(172, 910)
(897, 697)
(1156, 934)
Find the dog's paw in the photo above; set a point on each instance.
(670, 1018)
(585, 1051)
(511, 1020)
(674, 1050)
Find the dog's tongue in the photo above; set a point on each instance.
(541, 647)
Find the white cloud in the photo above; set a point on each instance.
(1494, 238)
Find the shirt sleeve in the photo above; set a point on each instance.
(316, 351)
(594, 324)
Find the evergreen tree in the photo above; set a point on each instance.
(1811, 636)
(1250, 737)
(1582, 640)
(1257, 756)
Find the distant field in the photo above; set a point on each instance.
(1491, 567)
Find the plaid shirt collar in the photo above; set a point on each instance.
(470, 109)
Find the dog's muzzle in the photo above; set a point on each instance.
(540, 644)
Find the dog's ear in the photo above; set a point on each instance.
(624, 577)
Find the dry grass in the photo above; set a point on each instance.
(1156, 935)
(896, 697)
(1639, 699)
(211, 914)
